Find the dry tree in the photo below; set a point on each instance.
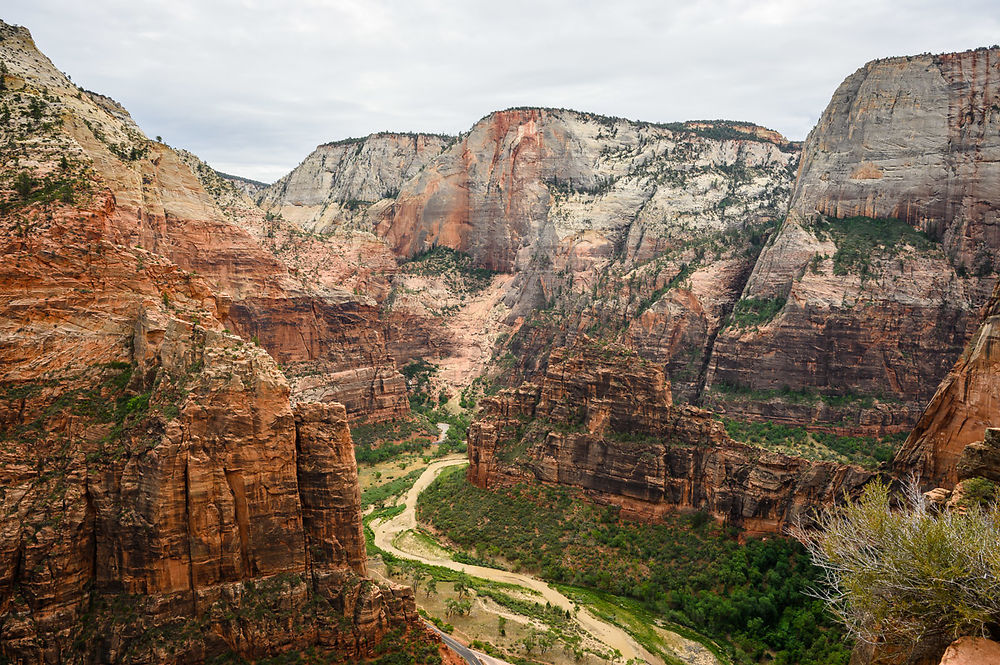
(894, 571)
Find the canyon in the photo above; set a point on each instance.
(184, 353)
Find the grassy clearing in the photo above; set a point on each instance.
(868, 451)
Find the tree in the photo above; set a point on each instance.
(23, 184)
(901, 575)
(431, 587)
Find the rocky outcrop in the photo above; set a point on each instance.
(161, 500)
(336, 184)
(162, 205)
(971, 651)
(965, 404)
(878, 308)
(620, 229)
(914, 139)
(604, 422)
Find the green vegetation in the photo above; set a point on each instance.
(689, 571)
(751, 312)
(637, 620)
(868, 451)
(378, 442)
(379, 494)
(515, 598)
(686, 271)
(861, 239)
(978, 492)
(806, 396)
(457, 268)
(900, 576)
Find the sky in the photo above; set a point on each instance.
(253, 86)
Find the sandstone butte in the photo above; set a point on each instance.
(165, 499)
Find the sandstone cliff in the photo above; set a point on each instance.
(888, 251)
(965, 404)
(162, 500)
(338, 182)
(604, 421)
(621, 229)
(161, 205)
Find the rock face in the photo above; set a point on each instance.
(337, 183)
(878, 309)
(965, 404)
(971, 651)
(604, 422)
(627, 230)
(161, 205)
(162, 501)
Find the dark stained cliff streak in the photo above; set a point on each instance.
(965, 404)
(889, 249)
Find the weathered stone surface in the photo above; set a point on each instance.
(604, 422)
(331, 507)
(159, 502)
(163, 205)
(337, 183)
(965, 404)
(981, 459)
(913, 139)
(972, 651)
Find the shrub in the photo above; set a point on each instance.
(899, 576)
(751, 312)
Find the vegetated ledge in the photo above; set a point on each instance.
(602, 422)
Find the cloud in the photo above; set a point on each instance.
(253, 86)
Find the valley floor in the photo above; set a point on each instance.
(399, 536)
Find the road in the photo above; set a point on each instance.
(386, 531)
(465, 652)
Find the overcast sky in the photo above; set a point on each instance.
(253, 86)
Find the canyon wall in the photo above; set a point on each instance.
(611, 227)
(603, 420)
(161, 205)
(888, 251)
(336, 184)
(162, 498)
(966, 403)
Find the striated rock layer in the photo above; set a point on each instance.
(161, 205)
(162, 500)
(878, 309)
(965, 404)
(604, 421)
(626, 230)
(336, 184)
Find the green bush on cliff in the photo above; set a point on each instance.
(860, 239)
(902, 576)
(750, 312)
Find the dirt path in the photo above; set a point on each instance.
(385, 532)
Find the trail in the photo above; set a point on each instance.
(386, 531)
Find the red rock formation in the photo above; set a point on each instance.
(162, 206)
(161, 500)
(966, 403)
(603, 421)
